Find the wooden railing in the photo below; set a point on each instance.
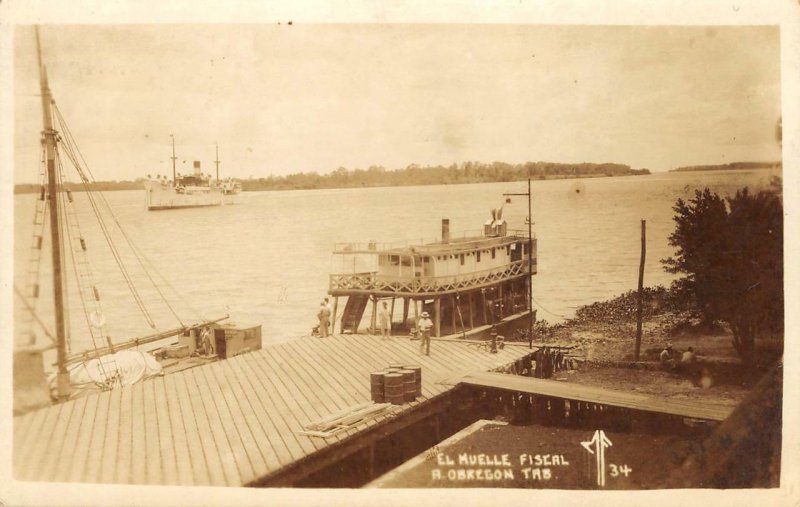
(475, 235)
(374, 283)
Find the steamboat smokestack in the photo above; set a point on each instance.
(445, 230)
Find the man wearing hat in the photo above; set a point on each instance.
(424, 325)
(324, 316)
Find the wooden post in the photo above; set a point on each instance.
(502, 301)
(416, 313)
(453, 312)
(471, 323)
(372, 319)
(437, 317)
(333, 317)
(485, 314)
(640, 294)
(405, 311)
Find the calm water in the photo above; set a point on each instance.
(266, 261)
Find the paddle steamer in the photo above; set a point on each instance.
(469, 283)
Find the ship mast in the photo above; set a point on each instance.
(216, 145)
(49, 140)
(174, 158)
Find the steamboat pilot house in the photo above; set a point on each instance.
(466, 282)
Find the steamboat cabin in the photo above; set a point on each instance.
(467, 282)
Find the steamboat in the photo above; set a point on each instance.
(471, 284)
(190, 191)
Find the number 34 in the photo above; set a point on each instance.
(617, 470)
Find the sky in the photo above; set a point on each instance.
(281, 98)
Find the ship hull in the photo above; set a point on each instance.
(165, 197)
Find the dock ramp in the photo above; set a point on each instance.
(583, 393)
(353, 311)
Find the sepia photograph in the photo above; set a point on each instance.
(278, 256)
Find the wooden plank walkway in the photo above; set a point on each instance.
(232, 422)
(580, 392)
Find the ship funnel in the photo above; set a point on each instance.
(445, 230)
(197, 168)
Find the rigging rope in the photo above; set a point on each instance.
(548, 311)
(109, 377)
(103, 226)
(140, 257)
(35, 260)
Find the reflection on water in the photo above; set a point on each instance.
(266, 261)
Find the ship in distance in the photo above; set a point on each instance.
(190, 191)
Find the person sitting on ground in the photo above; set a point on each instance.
(688, 358)
(688, 362)
(667, 357)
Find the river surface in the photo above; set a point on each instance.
(266, 260)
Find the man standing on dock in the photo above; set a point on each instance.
(324, 316)
(385, 319)
(424, 327)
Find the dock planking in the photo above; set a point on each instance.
(193, 454)
(60, 467)
(275, 448)
(230, 422)
(80, 453)
(94, 459)
(181, 450)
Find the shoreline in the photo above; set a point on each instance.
(32, 188)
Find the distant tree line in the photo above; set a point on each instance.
(729, 167)
(27, 188)
(467, 172)
(378, 176)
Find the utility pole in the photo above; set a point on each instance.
(216, 146)
(174, 158)
(640, 294)
(530, 261)
(49, 140)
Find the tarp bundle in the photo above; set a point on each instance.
(129, 366)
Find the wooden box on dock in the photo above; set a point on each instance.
(231, 341)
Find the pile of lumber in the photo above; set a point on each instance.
(344, 419)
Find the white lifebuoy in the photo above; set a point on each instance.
(97, 319)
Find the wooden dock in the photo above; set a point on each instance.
(234, 422)
(598, 395)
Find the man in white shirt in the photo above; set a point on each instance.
(385, 320)
(424, 325)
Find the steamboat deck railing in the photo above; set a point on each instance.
(373, 283)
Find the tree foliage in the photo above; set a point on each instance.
(730, 166)
(731, 251)
(466, 172)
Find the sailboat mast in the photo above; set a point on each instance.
(216, 145)
(174, 158)
(55, 233)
